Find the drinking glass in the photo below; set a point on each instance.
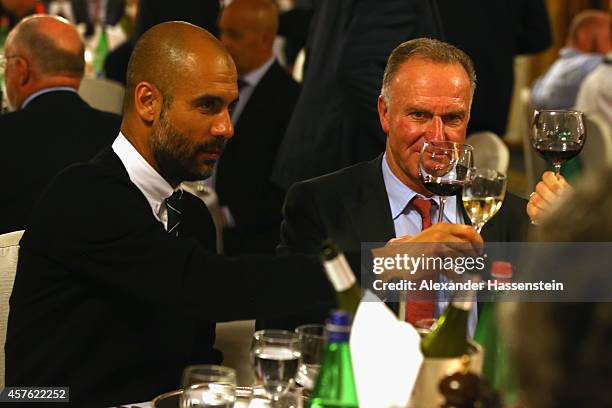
(443, 168)
(483, 195)
(312, 340)
(207, 386)
(557, 135)
(275, 355)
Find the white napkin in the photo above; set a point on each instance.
(386, 355)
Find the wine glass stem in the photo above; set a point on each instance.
(557, 169)
(478, 227)
(441, 211)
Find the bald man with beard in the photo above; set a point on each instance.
(116, 291)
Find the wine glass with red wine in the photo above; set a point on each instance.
(444, 168)
(557, 135)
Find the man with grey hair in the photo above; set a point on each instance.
(426, 95)
(52, 126)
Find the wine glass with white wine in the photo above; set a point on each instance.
(483, 195)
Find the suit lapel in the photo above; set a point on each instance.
(369, 208)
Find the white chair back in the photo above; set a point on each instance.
(211, 199)
(9, 251)
(102, 94)
(490, 151)
(534, 164)
(597, 151)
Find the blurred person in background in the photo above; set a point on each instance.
(492, 33)
(88, 12)
(335, 123)
(267, 97)
(52, 126)
(203, 13)
(569, 362)
(14, 10)
(595, 95)
(588, 41)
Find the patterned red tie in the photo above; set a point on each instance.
(421, 309)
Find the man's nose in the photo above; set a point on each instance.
(436, 129)
(222, 126)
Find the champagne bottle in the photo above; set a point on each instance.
(339, 272)
(449, 338)
(496, 368)
(335, 386)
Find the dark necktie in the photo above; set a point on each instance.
(173, 206)
(421, 309)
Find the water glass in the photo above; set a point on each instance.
(275, 355)
(207, 386)
(312, 340)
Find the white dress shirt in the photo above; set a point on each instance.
(153, 186)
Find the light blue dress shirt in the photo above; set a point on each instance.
(558, 88)
(44, 91)
(407, 221)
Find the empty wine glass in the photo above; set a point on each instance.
(275, 355)
(312, 341)
(557, 135)
(207, 386)
(443, 168)
(483, 195)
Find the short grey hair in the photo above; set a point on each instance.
(46, 55)
(427, 49)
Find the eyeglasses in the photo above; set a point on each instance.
(4, 59)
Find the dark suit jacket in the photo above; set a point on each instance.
(335, 123)
(108, 303)
(492, 33)
(203, 13)
(53, 131)
(351, 206)
(243, 172)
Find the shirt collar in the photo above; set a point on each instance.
(44, 91)
(154, 187)
(400, 195)
(253, 77)
(567, 52)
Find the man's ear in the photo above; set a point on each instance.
(24, 74)
(383, 114)
(147, 101)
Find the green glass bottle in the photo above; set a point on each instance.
(496, 368)
(335, 386)
(339, 272)
(449, 338)
(4, 30)
(100, 52)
